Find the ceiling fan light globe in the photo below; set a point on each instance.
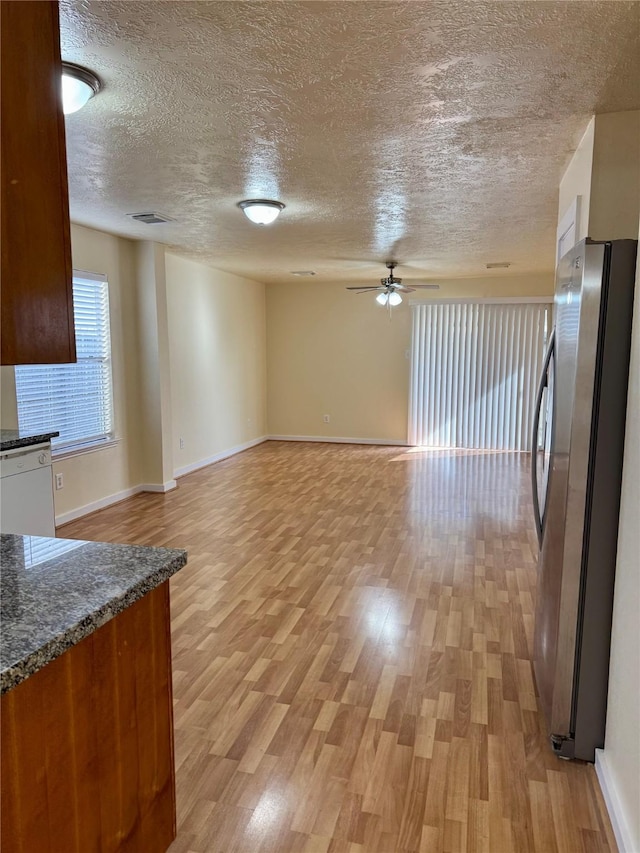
(394, 299)
(382, 298)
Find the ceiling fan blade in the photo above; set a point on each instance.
(364, 289)
(402, 289)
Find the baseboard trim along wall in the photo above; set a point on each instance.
(331, 439)
(109, 500)
(615, 808)
(94, 506)
(158, 487)
(217, 457)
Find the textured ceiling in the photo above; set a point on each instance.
(436, 132)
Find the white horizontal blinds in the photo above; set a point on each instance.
(474, 370)
(75, 399)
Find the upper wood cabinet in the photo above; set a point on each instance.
(36, 288)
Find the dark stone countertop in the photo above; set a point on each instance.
(12, 438)
(55, 592)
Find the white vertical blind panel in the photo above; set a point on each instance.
(474, 370)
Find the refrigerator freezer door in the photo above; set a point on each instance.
(577, 310)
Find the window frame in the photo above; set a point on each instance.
(89, 444)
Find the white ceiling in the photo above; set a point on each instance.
(434, 132)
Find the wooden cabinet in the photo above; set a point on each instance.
(87, 742)
(36, 289)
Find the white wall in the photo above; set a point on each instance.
(217, 341)
(614, 206)
(576, 181)
(605, 172)
(8, 408)
(92, 477)
(337, 353)
(152, 352)
(331, 351)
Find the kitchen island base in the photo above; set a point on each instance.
(87, 742)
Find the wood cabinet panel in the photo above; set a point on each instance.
(87, 742)
(36, 286)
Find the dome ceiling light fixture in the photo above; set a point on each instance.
(79, 85)
(261, 211)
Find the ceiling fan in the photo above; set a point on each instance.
(390, 288)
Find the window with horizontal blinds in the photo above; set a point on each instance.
(75, 399)
(474, 370)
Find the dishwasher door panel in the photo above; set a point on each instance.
(26, 503)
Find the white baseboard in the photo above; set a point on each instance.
(78, 512)
(330, 439)
(109, 500)
(217, 457)
(158, 487)
(614, 806)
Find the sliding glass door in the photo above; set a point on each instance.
(474, 373)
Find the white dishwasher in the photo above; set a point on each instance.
(26, 491)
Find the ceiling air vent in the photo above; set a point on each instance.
(499, 265)
(150, 218)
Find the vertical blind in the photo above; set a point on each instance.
(474, 372)
(75, 399)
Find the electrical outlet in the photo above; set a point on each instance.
(326, 418)
(59, 482)
(182, 444)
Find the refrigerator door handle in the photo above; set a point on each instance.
(544, 379)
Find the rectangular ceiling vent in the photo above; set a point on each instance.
(150, 218)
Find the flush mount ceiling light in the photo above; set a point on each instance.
(78, 86)
(262, 211)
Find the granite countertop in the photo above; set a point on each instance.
(12, 438)
(55, 592)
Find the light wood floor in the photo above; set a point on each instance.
(351, 642)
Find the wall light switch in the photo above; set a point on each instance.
(182, 444)
(59, 482)
(326, 418)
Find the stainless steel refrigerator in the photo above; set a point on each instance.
(577, 448)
